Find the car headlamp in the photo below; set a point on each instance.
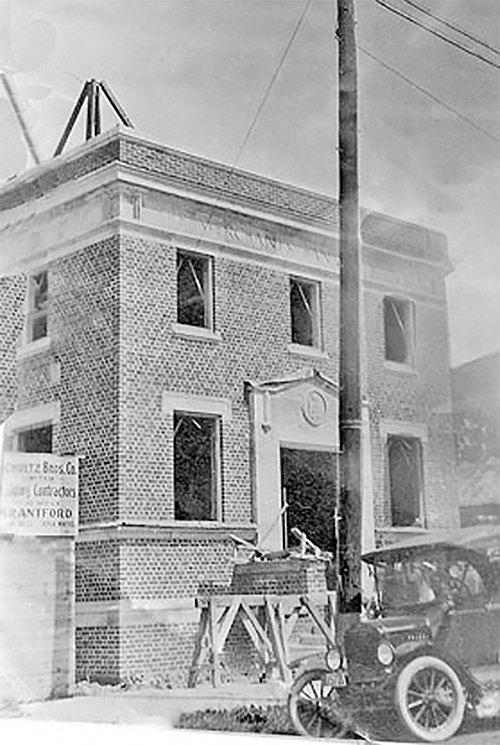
(385, 653)
(333, 658)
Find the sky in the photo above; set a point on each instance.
(193, 74)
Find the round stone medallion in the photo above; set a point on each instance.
(315, 408)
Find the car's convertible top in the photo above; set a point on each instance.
(483, 539)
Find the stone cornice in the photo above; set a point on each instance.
(229, 187)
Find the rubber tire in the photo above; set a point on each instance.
(294, 700)
(453, 723)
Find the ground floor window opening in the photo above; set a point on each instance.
(196, 466)
(404, 455)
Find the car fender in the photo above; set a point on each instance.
(314, 662)
(467, 680)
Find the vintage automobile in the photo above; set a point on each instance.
(429, 648)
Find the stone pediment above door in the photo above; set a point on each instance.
(301, 410)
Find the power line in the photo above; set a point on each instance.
(272, 81)
(438, 35)
(454, 26)
(261, 106)
(429, 94)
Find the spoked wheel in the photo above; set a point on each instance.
(430, 699)
(314, 707)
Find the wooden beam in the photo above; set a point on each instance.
(227, 622)
(89, 129)
(97, 112)
(72, 119)
(212, 611)
(256, 625)
(276, 642)
(259, 645)
(318, 621)
(114, 104)
(198, 648)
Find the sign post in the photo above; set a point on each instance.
(38, 526)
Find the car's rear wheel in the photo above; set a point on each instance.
(430, 699)
(314, 706)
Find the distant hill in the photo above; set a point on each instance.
(476, 407)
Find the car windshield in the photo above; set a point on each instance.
(419, 580)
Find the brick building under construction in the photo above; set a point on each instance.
(174, 322)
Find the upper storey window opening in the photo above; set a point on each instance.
(304, 312)
(38, 297)
(194, 290)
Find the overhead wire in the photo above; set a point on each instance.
(272, 81)
(427, 93)
(451, 25)
(260, 107)
(446, 39)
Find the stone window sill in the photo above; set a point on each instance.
(33, 348)
(403, 531)
(195, 332)
(167, 530)
(400, 367)
(304, 351)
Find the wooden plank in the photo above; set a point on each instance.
(282, 632)
(258, 628)
(318, 620)
(227, 622)
(276, 642)
(289, 601)
(290, 624)
(212, 611)
(256, 639)
(198, 649)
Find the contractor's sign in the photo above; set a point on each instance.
(39, 494)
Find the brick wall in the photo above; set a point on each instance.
(12, 293)
(288, 577)
(83, 326)
(155, 569)
(98, 654)
(98, 571)
(157, 651)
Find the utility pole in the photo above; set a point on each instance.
(350, 411)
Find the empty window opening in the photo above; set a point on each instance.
(405, 480)
(194, 305)
(304, 312)
(196, 456)
(38, 295)
(35, 439)
(398, 328)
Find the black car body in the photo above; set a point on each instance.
(431, 642)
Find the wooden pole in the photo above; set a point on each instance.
(20, 118)
(350, 412)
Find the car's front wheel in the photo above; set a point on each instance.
(314, 706)
(430, 699)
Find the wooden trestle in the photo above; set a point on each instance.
(269, 621)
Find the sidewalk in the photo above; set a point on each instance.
(149, 705)
(150, 708)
